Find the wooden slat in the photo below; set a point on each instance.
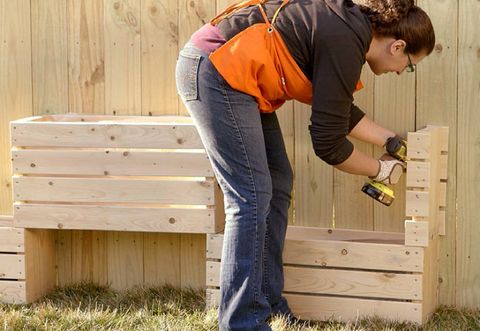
(328, 253)
(6, 221)
(117, 218)
(15, 83)
(88, 257)
(159, 55)
(418, 145)
(49, 56)
(122, 57)
(111, 162)
(107, 134)
(12, 266)
(417, 233)
(125, 259)
(467, 291)
(418, 174)
(192, 261)
(161, 259)
(86, 56)
(359, 214)
(12, 240)
(311, 233)
(417, 203)
(340, 282)
(343, 309)
(163, 191)
(313, 178)
(12, 292)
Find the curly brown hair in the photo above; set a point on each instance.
(401, 19)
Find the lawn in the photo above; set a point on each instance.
(90, 307)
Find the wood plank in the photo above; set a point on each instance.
(313, 233)
(64, 261)
(467, 232)
(15, 83)
(103, 134)
(417, 203)
(6, 221)
(192, 261)
(12, 292)
(313, 178)
(395, 111)
(111, 162)
(160, 46)
(40, 258)
(353, 209)
(86, 56)
(122, 57)
(418, 174)
(163, 191)
(319, 307)
(115, 218)
(12, 266)
(341, 282)
(162, 259)
(89, 257)
(12, 240)
(125, 260)
(49, 56)
(329, 253)
(417, 233)
(419, 144)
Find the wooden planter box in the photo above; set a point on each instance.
(26, 263)
(121, 173)
(347, 274)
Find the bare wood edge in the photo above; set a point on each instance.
(6, 220)
(81, 119)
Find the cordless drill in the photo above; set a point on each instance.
(397, 148)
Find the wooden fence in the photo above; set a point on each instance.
(118, 57)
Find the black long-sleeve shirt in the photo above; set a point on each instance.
(328, 39)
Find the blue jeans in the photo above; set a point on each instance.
(248, 157)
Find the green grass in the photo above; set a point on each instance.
(89, 307)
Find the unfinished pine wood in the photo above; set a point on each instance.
(161, 262)
(115, 134)
(63, 249)
(313, 178)
(395, 111)
(111, 162)
(15, 83)
(193, 248)
(116, 218)
(6, 221)
(417, 233)
(329, 253)
(340, 282)
(160, 46)
(125, 259)
(342, 309)
(86, 56)
(311, 233)
(122, 57)
(353, 209)
(49, 56)
(418, 174)
(12, 266)
(162, 190)
(417, 203)
(13, 292)
(89, 257)
(40, 258)
(12, 240)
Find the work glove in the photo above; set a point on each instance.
(389, 171)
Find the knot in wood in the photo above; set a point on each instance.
(344, 252)
(172, 220)
(330, 231)
(60, 225)
(33, 165)
(125, 153)
(438, 48)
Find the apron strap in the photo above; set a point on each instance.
(278, 10)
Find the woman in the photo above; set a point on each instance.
(242, 66)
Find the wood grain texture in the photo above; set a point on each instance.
(15, 83)
(468, 183)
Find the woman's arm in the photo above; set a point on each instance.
(370, 132)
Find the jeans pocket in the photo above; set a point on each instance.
(187, 75)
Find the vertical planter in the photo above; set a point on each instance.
(347, 274)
